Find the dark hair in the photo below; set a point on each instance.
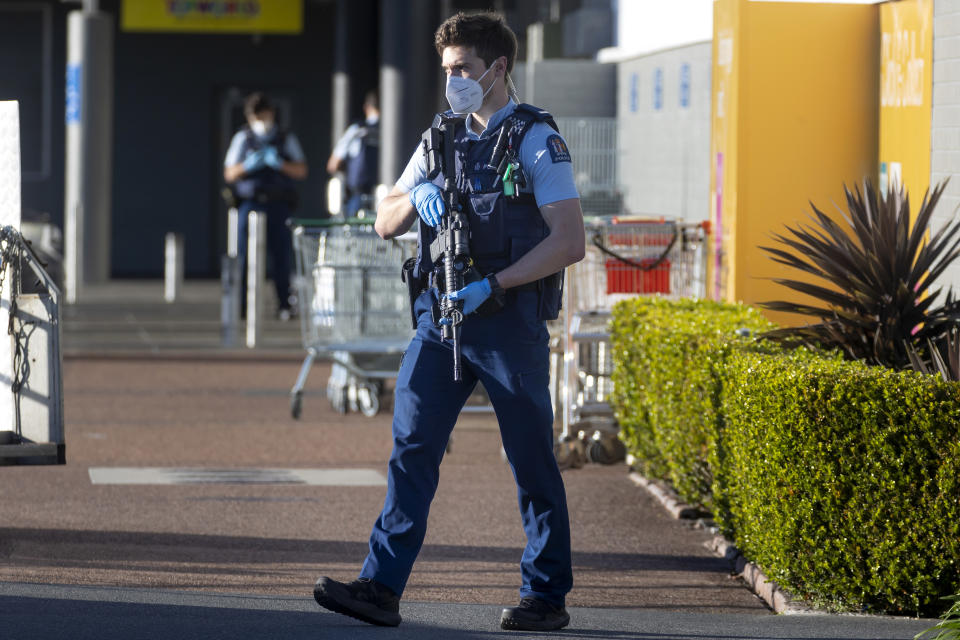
(371, 100)
(486, 32)
(256, 103)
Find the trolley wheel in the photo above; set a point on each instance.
(339, 400)
(368, 399)
(296, 404)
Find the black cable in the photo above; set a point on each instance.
(597, 242)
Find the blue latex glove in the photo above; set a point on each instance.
(427, 198)
(254, 161)
(272, 158)
(473, 295)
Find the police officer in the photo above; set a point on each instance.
(261, 164)
(521, 245)
(357, 155)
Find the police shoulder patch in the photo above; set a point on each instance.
(558, 149)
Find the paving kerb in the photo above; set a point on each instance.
(772, 593)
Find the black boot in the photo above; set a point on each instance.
(363, 599)
(534, 614)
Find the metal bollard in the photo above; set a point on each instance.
(173, 266)
(229, 300)
(256, 274)
(233, 232)
(231, 297)
(335, 196)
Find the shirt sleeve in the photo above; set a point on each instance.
(546, 159)
(233, 151)
(415, 173)
(340, 149)
(292, 148)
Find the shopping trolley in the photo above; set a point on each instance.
(354, 309)
(625, 257)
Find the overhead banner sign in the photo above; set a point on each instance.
(213, 16)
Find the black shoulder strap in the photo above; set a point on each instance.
(520, 121)
(538, 114)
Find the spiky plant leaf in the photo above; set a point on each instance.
(877, 269)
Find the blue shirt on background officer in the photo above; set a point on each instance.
(357, 155)
(521, 243)
(261, 165)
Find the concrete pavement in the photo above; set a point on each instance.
(227, 540)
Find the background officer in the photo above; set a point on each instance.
(357, 155)
(521, 244)
(261, 164)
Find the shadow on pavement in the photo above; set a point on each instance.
(34, 618)
(112, 546)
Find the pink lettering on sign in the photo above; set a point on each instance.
(718, 231)
(218, 8)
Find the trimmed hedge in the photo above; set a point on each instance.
(841, 480)
(666, 384)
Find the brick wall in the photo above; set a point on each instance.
(945, 135)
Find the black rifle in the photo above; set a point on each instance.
(454, 233)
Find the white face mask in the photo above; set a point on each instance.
(261, 127)
(465, 95)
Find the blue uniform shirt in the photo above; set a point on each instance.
(543, 157)
(292, 148)
(349, 145)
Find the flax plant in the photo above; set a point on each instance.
(877, 299)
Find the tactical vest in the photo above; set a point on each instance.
(502, 229)
(362, 168)
(265, 184)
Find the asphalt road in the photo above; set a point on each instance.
(30, 612)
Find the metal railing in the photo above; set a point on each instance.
(593, 144)
(625, 258)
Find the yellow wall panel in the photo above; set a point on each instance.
(806, 122)
(906, 90)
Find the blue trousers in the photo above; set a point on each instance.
(278, 244)
(509, 353)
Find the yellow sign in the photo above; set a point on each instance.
(906, 92)
(213, 16)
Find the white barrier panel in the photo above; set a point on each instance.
(31, 398)
(10, 164)
(9, 215)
